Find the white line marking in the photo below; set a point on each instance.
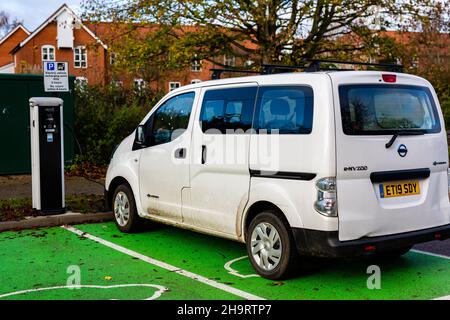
(166, 266)
(430, 254)
(156, 295)
(236, 273)
(443, 298)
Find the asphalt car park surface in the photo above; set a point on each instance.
(169, 263)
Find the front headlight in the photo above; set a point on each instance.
(326, 203)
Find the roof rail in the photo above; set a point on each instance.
(271, 68)
(216, 73)
(314, 66)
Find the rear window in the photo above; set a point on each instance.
(386, 109)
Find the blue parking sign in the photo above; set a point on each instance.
(50, 66)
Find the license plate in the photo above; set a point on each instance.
(399, 189)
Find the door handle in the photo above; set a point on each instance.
(180, 153)
(203, 154)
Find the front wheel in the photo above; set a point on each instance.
(124, 208)
(270, 246)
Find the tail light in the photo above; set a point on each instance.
(326, 203)
(389, 78)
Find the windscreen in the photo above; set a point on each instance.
(386, 109)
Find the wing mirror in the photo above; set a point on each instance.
(139, 138)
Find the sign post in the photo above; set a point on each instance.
(56, 76)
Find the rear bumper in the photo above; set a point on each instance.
(327, 244)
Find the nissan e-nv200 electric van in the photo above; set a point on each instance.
(325, 164)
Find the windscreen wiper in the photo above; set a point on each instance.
(403, 133)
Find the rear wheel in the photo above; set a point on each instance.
(124, 208)
(270, 246)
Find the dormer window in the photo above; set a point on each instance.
(48, 53)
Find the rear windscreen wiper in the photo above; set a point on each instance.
(403, 133)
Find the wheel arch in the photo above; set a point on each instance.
(117, 181)
(266, 195)
(258, 207)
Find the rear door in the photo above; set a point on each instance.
(219, 171)
(389, 189)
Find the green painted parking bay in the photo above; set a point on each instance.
(191, 266)
(38, 261)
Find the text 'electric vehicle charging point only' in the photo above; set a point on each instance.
(47, 155)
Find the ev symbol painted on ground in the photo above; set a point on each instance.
(155, 290)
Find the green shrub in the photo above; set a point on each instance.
(104, 115)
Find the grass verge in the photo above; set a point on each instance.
(18, 209)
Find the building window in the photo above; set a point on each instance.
(116, 83)
(139, 84)
(81, 82)
(229, 60)
(48, 53)
(174, 85)
(80, 57)
(415, 62)
(194, 81)
(196, 65)
(249, 63)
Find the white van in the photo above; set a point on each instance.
(326, 164)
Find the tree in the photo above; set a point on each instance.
(6, 24)
(268, 31)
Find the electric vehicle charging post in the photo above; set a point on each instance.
(47, 155)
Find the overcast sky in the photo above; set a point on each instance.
(34, 12)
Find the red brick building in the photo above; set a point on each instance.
(7, 44)
(65, 37)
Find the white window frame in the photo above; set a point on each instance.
(196, 65)
(139, 83)
(112, 58)
(117, 83)
(174, 85)
(229, 60)
(81, 55)
(45, 51)
(194, 81)
(81, 81)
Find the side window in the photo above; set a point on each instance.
(170, 120)
(284, 110)
(227, 109)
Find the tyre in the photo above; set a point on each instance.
(124, 208)
(270, 246)
(393, 254)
